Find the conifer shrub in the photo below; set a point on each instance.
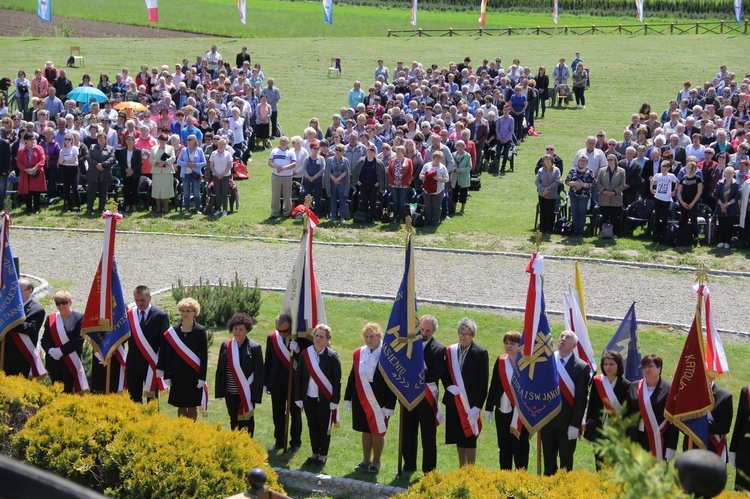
(219, 302)
(128, 450)
(20, 400)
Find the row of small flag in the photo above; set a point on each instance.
(44, 11)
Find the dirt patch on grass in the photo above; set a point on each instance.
(18, 23)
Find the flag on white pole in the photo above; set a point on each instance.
(242, 8)
(554, 12)
(738, 10)
(413, 12)
(328, 11)
(44, 10)
(574, 321)
(716, 358)
(153, 10)
(639, 10)
(483, 12)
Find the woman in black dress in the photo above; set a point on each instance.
(370, 417)
(61, 355)
(251, 363)
(185, 360)
(608, 392)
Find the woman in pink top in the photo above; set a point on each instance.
(145, 142)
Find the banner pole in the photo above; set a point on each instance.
(106, 382)
(2, 354)
(539, 453)
(400, 440)
(289, 395)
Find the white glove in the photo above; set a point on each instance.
(669, 455)
(159, 373)
(453, 389)
(201, 383)
(167, 382)
(474, 414)
(387, 413)
(298, 403)
(55, 353)
(488, 416)
(348, 405)
(573, 432)
(333, 406)
(294, 346)
(733, 458)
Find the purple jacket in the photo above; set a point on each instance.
(504, 127)
(51, 152)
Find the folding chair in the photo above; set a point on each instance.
(334, 70)
(75, 53)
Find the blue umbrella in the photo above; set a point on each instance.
(84, 94)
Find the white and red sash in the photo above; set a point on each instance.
(281, 350)
(30, 353)
(607, 395)
(374, 413)
(153, 382)
(121, 356)
(244, 383)
(461, 400)
(505, 371)
(654, 430)
(431, 396)
(190, 359)
(325, 388)
(720, 445)
(567, 387)
(72, 360)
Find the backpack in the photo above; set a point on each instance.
(607, 232)
(670, 236)
(563, 226)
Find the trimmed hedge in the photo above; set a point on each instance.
(128, 450)
(19, 401)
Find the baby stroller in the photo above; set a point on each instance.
(210, 198)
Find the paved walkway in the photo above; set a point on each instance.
(497, 280)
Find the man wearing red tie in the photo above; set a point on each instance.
(147, 324)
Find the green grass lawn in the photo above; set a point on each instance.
(625, 72)
(274, 18)
(347, 317)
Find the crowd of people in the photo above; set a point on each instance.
(688, 162)
(161, 356)
(161, 135)
(416, 138)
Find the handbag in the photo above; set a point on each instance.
(607, 232)
(195, 175)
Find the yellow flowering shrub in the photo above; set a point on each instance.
(472, 481)
(123, 449)
(19, 400)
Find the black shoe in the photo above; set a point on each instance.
(362, 466)
(275, 447)
(293, 450)
(310, 461)
(408, 470)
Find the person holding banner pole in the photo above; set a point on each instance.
(20, 342)
(368, 397)
(63, 343)
(559, 436)
(608, 393)
(185, 361)
(239, 374)
(648, 398)
(512, 436)
(427, 415)
(281, 350)
(318, 391)
(147, 325)
(465, 381)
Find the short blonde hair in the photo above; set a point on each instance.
(372, 327)
(63, 295)
(323, 327)
(190, 303)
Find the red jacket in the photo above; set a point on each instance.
(27, 183)
(406, 173)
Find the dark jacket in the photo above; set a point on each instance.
(594, 413)
(733, 209)
(276, 375)
(572, 415)
(251, 361)
(136, 162)
(156, 325)
(104, 155)
(722, 415)
(475, 374)
(658, 401)
(14, 359)
(330, 365)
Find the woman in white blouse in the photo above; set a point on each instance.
(221, 169)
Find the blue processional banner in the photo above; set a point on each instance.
(626, 343)
(106, 342)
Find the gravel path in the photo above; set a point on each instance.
(488, 279)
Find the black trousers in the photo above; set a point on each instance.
(33, 200)
(421, 418)
(547, 214)
(51, 177)
(555, 443)
(136, 380)
(662, 216)
(580, 98)
(130, 190)
(511, 448)
(692, 216)
(368, 196)
(278, 405)
(69, 177)
(232, 401)
(318, 411)
(613, 215)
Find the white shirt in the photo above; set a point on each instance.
(312, 387)
(368, 362)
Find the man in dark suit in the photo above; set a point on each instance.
(650, 169)
(633, 177)
(277, 382)
(154, 322)
(15, 361)
(423, 415)
(560, 435)
(678, 152)
(479, 134)
(719, 421)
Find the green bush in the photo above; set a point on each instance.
(128, 450)
(219, 302)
